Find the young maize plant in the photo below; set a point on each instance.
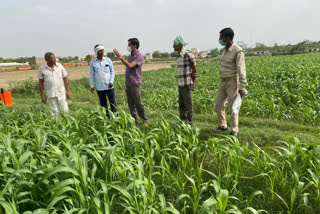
(81, 162)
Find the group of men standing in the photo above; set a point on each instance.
(232, 74)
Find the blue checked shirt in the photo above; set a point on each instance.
(101, 73)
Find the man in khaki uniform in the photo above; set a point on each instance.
(233, 80)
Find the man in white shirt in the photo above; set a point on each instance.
(53, 77)
(102, 75)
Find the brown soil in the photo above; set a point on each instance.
(73, 72)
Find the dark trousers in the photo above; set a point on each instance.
(134, 102)
(185, 104)
(103, 100)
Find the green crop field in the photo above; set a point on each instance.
(83, 163)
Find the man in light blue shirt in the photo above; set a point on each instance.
(102, 75)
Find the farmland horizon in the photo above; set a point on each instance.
(189, 48)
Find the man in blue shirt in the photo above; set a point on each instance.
(102, 74)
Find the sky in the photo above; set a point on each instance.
(72, 27)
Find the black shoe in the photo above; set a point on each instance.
(235, 134)
(220, 129)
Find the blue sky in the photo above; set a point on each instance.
(73, 27)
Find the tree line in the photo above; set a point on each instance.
(274, 49)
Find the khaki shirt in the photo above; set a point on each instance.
(53, 80)
(232, 64)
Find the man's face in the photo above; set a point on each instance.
(100, 53)
(132, 46)
(226, 40)
(221, 38)
(52, 59)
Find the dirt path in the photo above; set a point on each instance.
(74, 73)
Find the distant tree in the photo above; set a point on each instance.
(174, 54)
(66, 59)
(275, 47)
(156, 54)
(75, 59)
(111, 55)
(300, 47)
(9, 60)
(165, 55)
(88, 58)
(260, 47)
(215, 52)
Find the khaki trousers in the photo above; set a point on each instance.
(228, 89)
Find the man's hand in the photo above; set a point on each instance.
(43, 99)
(242, 92)
(193, 76)
(117, 53)
(92, 90)
(110, 85)
(68, 94)
(129, 65)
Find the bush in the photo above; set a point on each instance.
(34, 67)
(25, 86)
